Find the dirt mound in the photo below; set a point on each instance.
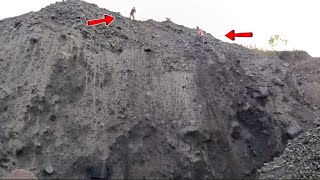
(138, 99)
(293, 55)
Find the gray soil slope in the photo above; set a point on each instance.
(138, 99)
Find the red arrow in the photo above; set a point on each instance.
(107, 20)
(231, 35)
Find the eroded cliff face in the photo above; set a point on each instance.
(138, 99)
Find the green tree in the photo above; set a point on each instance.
(275, 40)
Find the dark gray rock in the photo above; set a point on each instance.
(277, 81)
(261, 92)
(147, 116)
(100, 171)
(236, 130)
(316, 122)
(294, 131)
(193, 133)
(35, 38)
(55, 99)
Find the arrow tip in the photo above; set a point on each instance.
(230, 35)
(108, 19)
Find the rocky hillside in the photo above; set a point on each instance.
(138, 99)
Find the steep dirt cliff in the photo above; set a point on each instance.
(138, 99)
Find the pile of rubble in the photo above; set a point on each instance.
(300, 160)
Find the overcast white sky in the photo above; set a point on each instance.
(295, 20)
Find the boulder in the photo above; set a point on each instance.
(156, 36)
(49, 169)
(316, 122)
(195, 133)
(276, 81)
(261, 92)
(294, 131)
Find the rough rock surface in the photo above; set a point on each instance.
(300, 160)
(308, 73)
(137, 99)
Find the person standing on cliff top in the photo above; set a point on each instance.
(200, 34)
(133, 11)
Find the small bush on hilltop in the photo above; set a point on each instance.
(275, 42)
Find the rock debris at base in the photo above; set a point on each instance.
(300, 159)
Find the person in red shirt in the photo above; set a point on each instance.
(133, 11)
(200, 34)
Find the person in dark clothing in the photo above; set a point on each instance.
(133, 11)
